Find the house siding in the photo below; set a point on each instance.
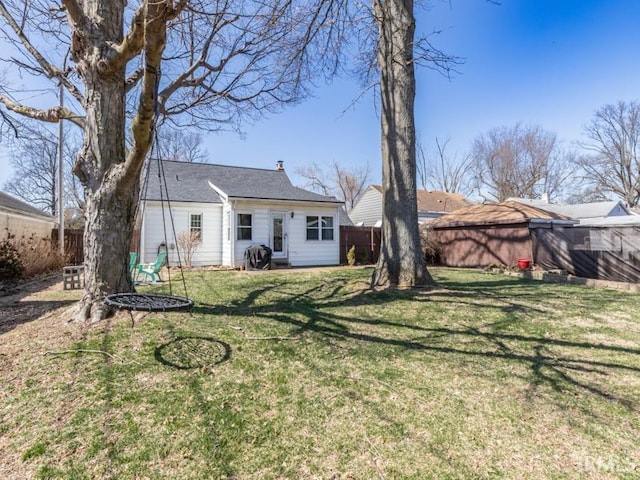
(210, 252)
(303, 252)
(259, 228)
(218, 249)
(299, 251)
(368, 210)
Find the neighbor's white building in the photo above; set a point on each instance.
(431, 204)
(233, 208)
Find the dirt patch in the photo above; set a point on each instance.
(23, 302)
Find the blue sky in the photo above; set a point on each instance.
(551, 63)
(545, 62)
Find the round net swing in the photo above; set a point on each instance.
(155, 302)
(148, 302)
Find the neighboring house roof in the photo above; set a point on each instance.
(437, 201)
(13, 205)
(192, 182)
(368, 209)
(508, 212)
(580, 210)
(344, 220)
(615, 221)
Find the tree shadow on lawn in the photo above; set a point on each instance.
(16, 311)
(311, 311)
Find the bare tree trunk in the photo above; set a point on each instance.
(401, 262)
(109, 208)
(108, 172)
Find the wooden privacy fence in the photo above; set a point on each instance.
(366, 240)
(74, 244)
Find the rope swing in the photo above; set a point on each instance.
(155, 302)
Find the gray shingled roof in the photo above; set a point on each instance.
(189, 182)
(7, 202)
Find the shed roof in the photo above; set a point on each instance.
(509, 212)
(191, 182)
(10, 203)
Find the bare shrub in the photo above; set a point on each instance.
(429, 244)
(10, 262)
(39, 256)
(188, 243)
(32, 256)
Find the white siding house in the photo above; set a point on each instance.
(234, 208)
(431, 204)
(368, 210)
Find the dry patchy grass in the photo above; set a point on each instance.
(311, 375)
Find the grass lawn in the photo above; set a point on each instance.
(303, 375)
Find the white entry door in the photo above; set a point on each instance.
(278, 234)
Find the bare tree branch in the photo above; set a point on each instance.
(346, 184)
(519, 162)
(51, 115)
(49, 70)
(446, 173)
(614, 140)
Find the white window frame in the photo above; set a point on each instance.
(320, 229)
(244, 227)
(196, 229)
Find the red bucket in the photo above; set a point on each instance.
(524, 263)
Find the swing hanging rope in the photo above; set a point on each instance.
(155, 302)
(152, 302)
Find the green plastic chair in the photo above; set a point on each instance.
(152, 270)
(133, 261)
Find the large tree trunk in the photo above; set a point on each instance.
(401, 262)
(110, 200)
(109, 173)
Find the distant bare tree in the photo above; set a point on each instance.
(34, 159)
(182, 146)
(444, 172)
(346, 184)
(614, 141)
(519, 162)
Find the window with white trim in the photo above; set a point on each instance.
(195, 224)
(319, 228)
(244, 226)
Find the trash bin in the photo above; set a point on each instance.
(257, 257)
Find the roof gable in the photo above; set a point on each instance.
(192, 182)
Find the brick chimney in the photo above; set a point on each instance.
(280, 166)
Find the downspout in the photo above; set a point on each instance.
(232, 229)
(143, 231)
